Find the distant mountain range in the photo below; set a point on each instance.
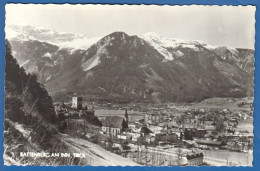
(124, 68)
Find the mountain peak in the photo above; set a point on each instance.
(116, 35)
(152, 35)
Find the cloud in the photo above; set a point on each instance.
(217, 25)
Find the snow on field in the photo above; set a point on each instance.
(224, 158)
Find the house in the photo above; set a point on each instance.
(135, 137)
(189, 120)
(200, 133)
(133, 146)
(145, 131)
(132, 127)
(114, 125)
(123, 137)
(146, 139)
(168, 138)
(195, 159)
(189, 143)
(152, 118)
(119, 144)
(176, 131)
(233, 122)
(210, 143)
(150, 139)
(211, 130)
(189, 133)
(155, 129)
(172, 124)
(203, 121)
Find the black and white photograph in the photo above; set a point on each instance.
(129, 85)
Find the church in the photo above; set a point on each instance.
(115, 125)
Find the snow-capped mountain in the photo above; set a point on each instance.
(169, 48)
(60, 39)
(158, 41)
(163, 45)
(137, 68)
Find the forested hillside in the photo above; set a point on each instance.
(29, 116)
(31, 126)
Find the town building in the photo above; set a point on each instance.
(167, 138)
(171, 124)
(152, 118)
(195, 159)
(200, 133)
(114, 125)
(155, 129)
(210, 143)
(189, 133)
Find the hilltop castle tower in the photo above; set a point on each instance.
(77, 103)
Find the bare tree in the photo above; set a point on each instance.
(179, 156)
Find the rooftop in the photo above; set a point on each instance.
(114, 121)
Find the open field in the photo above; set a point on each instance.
(224, 103)
(246, 125)
(132, 115)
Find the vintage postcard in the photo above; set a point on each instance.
(129, 85)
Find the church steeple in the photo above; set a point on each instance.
(126, 116)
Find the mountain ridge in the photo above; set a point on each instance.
(141, 68)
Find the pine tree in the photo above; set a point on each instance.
(27, 101)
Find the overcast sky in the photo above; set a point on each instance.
(216, 25)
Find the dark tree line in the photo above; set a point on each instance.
(27, 101)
